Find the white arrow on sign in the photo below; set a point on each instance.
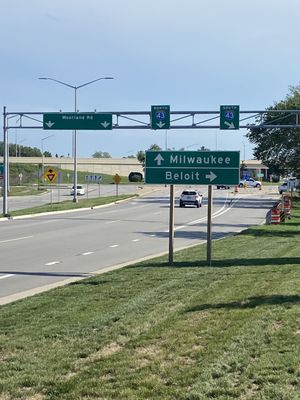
(105, 124)
(160, 124)
(211, 176)
(229, 124)
(159, 159)
(50, 124)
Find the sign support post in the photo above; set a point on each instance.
(209, 227)
(171, 226)
(5, 163)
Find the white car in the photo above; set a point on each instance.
(250, 183)
(79, 191)
(190, 197)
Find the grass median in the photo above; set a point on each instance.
(69, 205)
(150, 331)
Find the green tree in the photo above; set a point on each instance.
(141, 154)
(21, 151)
(101, 154)
(203, 148)
(155, 147)
(279, 148)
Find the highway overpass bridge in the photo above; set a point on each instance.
(110, 166)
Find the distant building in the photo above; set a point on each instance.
(254, 169)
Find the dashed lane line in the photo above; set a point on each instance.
(15, 239)
(6, 276)
(53, 263)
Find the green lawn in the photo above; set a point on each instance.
(150, 331)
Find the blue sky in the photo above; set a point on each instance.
(191, 54)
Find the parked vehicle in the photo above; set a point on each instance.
(191, 198)
(223, 187)
(135, 177)
(250, 183)
(284, 187)
(79, 191)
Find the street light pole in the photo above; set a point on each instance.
(75, 200)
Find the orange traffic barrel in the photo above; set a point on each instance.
(275, 216)
(287, 203)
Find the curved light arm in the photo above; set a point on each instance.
(75, 87)
(47, 137)
(63, 83)
(95, 80)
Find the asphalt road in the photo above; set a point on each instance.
(40, 252)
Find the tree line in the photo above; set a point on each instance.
(16, 150)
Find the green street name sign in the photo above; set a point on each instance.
(192, 167)
(160, 117)
(82, 121)
(1, 170)
(229, 117)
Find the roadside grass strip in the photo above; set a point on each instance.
(69, 205)
(150, 331)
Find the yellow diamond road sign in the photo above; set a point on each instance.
(117, 179)
(50, 175)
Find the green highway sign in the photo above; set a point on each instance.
(160, 117)
(229, 117)
(1, 170)
(192, 167)
(82, 121)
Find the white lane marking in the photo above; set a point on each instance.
(14, 240)
(216, 214)
(87, 253)
(157, 212)
(111, 222)
(136, 240)
(114, 245)
(52, 263)
(153, 234)
(6, 276)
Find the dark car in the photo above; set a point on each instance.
(135, 177)
(223, 187)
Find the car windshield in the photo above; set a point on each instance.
(189, 192)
